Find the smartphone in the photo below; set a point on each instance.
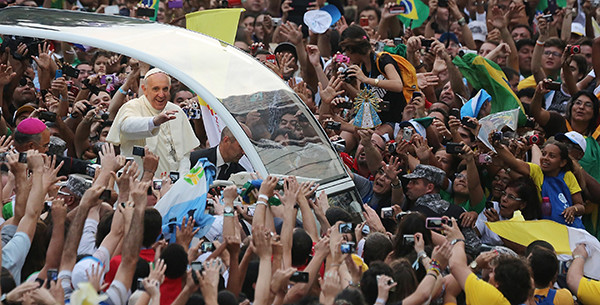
(74, 90)
(70, 71)
(489, 204)
(48, 116)
(58, 73)
(552, 86)
(364, 21)
(139, 151)
(470, 124)
(52, 276)
(348, 247)
(196, 266)
(174, 176)
(366, 229)
(251, 210)
(157, 184)
(387, 212)
(272, 59)
(408, 239)
(145, 12)
(454, 148)
(333, 125)
(299, 277)
(433, 223)
(346, 228)
(416, 94)
(455, 112)
(90, 171)
(23, 157)
(397, 9)
(207, 246)
(129, 159)
(175, 4)
(105, 196)
(140, 284)
(398, 41)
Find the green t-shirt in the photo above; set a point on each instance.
(466, 205)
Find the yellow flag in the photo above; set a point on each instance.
(218, 23)
(525, 232)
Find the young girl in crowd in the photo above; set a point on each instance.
(554, 180)
(519, 195)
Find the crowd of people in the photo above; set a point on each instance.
(92, 140)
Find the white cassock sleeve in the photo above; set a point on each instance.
(137, 128)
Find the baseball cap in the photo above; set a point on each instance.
(286, 47)
(577, 28)
(431, 173)
(574, 137)
(21, 110)
(478, 29)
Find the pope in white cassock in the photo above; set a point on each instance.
(154, 122)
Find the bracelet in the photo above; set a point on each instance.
(434, 276)
(421, 255)
(259, 202)
(435, 264)
(263, 196)
(578, 256)
(436, 270)
(462, 21)
(397, 185)
(122, 91)
(540, 43)
(353, 284)
(380, 301)
(376, 82)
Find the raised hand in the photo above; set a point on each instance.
(6, 75)
(186, 233)
(164, 117)
(51, 170)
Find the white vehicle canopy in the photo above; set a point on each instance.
(226, 78)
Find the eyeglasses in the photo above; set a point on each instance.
(511, 196)
(460, 176)
(584, 104)
(555, 54)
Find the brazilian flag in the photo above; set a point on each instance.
(416, 11)
(485, 74)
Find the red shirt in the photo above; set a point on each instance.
(145, 254)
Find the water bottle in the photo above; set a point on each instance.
(546, 207)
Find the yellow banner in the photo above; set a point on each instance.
(218, 23)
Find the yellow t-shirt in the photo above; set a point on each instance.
(589, 291)
(535, 171)
(562, 297)
(481, 292)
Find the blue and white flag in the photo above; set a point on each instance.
(471, 107)
(187, 197)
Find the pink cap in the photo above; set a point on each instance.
(31, 126)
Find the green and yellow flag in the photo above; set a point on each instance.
(416, 12)
(218, 23)
(485, 74)
(151, 4)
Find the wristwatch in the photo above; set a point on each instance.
(228, 211)
(456, 241)
(473, 265)
(3, 299)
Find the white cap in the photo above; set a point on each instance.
(577, 28)
(574, 137)
(318, 21)
(478, 29)
(154, 71)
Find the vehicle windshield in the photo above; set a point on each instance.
(285, 135)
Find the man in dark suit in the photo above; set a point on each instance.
(224, 156)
